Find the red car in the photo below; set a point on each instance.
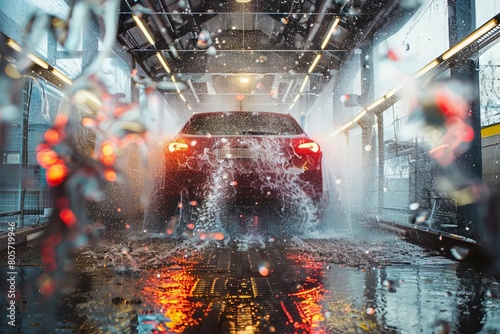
(228, 160)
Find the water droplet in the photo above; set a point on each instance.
(414, 206)
(459, 252)
(368, 148)
(211, 51)
(370, 310)
(263, 270)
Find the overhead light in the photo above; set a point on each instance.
(163, 62)
(335, 133)
(427, 68)
(243, 1)
(359, 116)
(182, 97)
(376, 103)
(296, 98)
(175, 83)
(13, 44)
(291, 106)
(189, 107)
(330, 32)
(395, 90)
(314, 63)
(244, 79)
(38, 61)
(470, 39)
(346, 125)
(62, 76)
(304, 83)
(144, 30)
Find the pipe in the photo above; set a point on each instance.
(159, 23)
(317, 22)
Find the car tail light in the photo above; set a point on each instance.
(307, 146)
(177, 146)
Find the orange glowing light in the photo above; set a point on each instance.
(263, 271)
(56, 174)
(107, 149)
(108, 160)
(240, 97)
(169, 231)
(89, 122)
(60, 121)
(219, 236)
(177, 146)
(46, 285)
(68, 217)
(110, 175)
(46, 158)
(190, 226)
(52, 136)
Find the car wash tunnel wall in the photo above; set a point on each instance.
(408, 123)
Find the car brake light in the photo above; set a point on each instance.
(311, 146)
(176, 146)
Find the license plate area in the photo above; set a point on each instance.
(235, 153)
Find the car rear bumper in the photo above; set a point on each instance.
(244, 187)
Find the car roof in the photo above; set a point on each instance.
(240, 112)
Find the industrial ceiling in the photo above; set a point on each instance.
(247, 54)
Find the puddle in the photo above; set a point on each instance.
(266, 286)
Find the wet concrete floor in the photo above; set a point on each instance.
(350, 282)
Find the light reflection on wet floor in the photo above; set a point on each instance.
(275, 289)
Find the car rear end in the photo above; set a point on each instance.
(249, 157)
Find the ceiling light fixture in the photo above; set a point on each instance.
(62, 76)
(346, 125)
(330, 32)
(13, 44)
(304, 83)
(144, 30)
(163, 62)
(359, 116)
(470, 39)
(427, 68)
(175, 83)
(314, 63)
(376, 103)
(182, 97)
(291, 106)
(243, 1)
(37, 60)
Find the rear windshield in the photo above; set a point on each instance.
(242, 124)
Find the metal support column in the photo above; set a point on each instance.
(461, 23)
(381, 152)
(369, 156)
(90, 42)
(23, 161)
